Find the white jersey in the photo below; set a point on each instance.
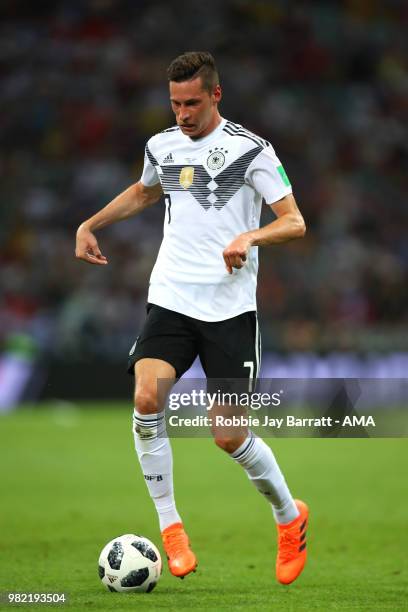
(213, 190)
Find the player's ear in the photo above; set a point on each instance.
(217, 94)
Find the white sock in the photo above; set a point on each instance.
(156, 460)
(260, 464)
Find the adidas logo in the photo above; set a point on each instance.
(112, 578)
(168, 159)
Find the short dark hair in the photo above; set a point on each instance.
(193, 64)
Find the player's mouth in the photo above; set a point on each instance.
(188, 126)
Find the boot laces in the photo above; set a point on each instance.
(175, 542)
(288, 545)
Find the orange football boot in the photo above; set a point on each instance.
(180, 557)
(291, 557)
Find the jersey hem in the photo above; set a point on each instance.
(192, 315)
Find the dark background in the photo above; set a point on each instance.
(82, 88)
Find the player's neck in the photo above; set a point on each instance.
(214, 123)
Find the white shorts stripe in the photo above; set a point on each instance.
(257, 348)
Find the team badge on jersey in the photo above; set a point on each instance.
(216, 159)
(186, 177)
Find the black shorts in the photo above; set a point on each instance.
(227, 349)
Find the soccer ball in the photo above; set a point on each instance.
(129, 564)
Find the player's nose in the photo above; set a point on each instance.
(184, 114)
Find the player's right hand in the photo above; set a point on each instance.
(87, 247)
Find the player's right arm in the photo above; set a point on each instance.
(127, 204)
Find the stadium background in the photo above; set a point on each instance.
(82, 89)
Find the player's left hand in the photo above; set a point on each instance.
(236, 253)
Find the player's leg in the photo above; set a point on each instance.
(232, 359)
(291, 516)
(163, 352)
(151, 442)
(155, 455)
(232, 352)
(258, 461)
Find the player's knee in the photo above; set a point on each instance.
(146, 401)
(229, 444)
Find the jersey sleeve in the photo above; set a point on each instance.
(268, 177)
(149, 176)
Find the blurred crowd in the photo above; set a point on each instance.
(82, 88)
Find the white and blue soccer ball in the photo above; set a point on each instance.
(129, 564)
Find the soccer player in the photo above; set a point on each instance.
(214, 175)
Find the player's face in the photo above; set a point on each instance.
(195, 108)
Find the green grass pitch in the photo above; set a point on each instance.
(71, 482)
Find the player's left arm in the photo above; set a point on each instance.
(288, 225)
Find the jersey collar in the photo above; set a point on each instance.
(211, 136)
